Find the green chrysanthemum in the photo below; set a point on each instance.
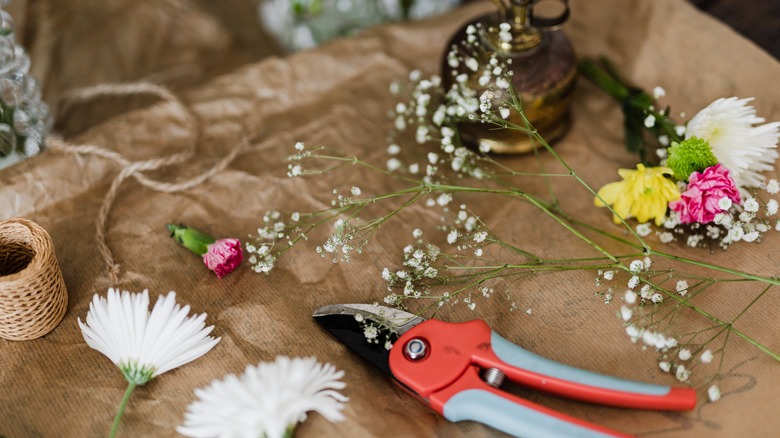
(688, 156)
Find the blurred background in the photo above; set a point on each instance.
(60, 46)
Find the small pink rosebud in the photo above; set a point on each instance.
(223, 256)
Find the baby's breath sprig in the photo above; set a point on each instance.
(663, 306)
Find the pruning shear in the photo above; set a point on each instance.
(457, 370)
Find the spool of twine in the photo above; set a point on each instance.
(33, 298)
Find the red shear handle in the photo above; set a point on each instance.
(469, 398)
(453, 348)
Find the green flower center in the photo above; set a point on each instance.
(688, 156)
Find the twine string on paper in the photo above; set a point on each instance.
(135, 169)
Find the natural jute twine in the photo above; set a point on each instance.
(33, 297)
(134, 169)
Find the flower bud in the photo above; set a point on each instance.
(221, 256)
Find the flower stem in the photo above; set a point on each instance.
(122, 405)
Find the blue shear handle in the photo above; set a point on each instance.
(520, 358)
(515, 419)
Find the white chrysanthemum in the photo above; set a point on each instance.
(745, 150)
(142, 344)
(266, 400)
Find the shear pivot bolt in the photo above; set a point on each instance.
(416, 349)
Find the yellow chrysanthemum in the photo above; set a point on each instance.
(644, 194)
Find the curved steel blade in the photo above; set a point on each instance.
(348, 322)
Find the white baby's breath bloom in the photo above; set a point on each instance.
(505, 33)
(772, 186)
(636, 266)
(295, 170)
(643, 229)
(659, 92)
(682, 373)
(694, 240)
(684, 354)
(751, 236)
(145, 344)
(724, 203)
(393, 164)
(400, 123)
(444, 199)
(267, 400)
(439, 115)
(706, 357)
(472, 64)
(682, 287)
(745, 150)
(713, 393)
(371, 332)
(452, 237)
(632, 332)
(750, 205)
(422, 134)
(630, 297)
(771, 207)
(650, 121)
(626, 313)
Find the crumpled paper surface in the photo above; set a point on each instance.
(337, 95)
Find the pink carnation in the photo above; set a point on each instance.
(223, 256)
(699, 202)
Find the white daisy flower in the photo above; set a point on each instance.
(142, 344)
(267, 400)
(745, 150)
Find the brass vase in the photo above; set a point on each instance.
(543, 69)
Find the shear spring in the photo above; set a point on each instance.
(493, 377)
